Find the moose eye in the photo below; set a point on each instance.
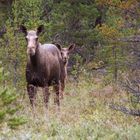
(36, 38)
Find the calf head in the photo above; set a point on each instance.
(65, 52)
(32, 39)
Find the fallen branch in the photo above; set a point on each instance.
(130, 89)
(125, 110)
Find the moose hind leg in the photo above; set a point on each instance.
(46, 95)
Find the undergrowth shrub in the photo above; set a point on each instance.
(9, 106)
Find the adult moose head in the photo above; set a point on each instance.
(43, 67)
(32, 39)
(65, 57)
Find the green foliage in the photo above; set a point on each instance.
(71, 20)
(16, 121)
(27, 12)
(9, 107)
(77, 69)
(86, 23)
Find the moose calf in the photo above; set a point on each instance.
(65, 57)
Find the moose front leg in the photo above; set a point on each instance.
(32, 93)
(32, 90)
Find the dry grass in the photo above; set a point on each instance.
(84, 115)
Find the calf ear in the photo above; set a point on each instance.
(23, 29)
(71, 47)
(58, 46)
(40, 29)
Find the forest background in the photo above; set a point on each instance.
(105, 63)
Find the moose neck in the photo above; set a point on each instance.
(66, 63)
(34, 58)
(65, 68)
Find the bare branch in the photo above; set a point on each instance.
(125, 110)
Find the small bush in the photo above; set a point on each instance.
(9, 107)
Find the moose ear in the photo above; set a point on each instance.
(71, 47)
(58, 46)
(23, 29)
(40, 29)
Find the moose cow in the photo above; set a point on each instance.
(65, 57)
(43, 67)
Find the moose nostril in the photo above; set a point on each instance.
(31, 51)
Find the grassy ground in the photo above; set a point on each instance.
(84, 115)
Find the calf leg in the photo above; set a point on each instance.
(62, 89)
(56, 100)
